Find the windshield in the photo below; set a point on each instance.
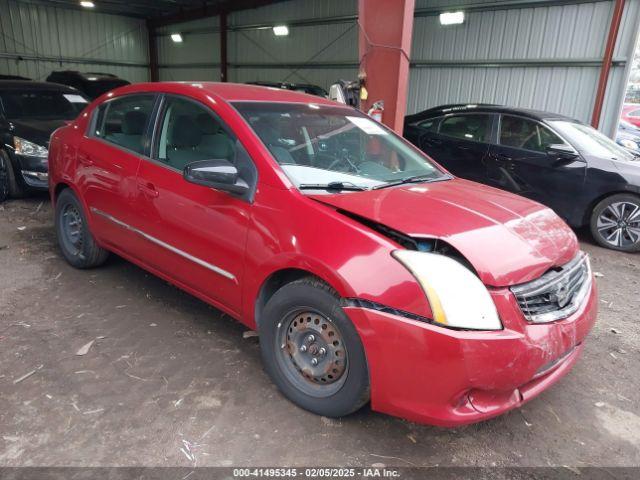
(319, 145)
(42, 104)
(590, 141)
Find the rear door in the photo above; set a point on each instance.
(520, 163)
(107, 163)
(460, 143)
(195, 234)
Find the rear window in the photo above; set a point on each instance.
(42, 104)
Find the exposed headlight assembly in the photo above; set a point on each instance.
(29, 149)
(457, 297)
(630, 144)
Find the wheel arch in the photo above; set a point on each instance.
(276, 280)
(586, 219)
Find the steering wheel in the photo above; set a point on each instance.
(344, 161)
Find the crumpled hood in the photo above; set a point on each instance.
(508, 239)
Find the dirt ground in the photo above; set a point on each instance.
(170, 381)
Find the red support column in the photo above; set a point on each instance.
(223, 47)
(385, 30)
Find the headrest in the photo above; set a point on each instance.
(185, 132)
(133, 122)
(220, 146)
(207, 124)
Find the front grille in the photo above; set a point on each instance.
(556, 294)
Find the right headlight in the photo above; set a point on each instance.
(29, 149)
(457, 297)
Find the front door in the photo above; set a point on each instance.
(196, 234)
(521, 163)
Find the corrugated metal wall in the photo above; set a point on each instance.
(319, 53)
(546, 56)
(36, 39)
(543, 54)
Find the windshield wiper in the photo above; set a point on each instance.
(413, 179)
(332, 186)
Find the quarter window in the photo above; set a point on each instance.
(527, 134)
(474, 127)
(123, 121)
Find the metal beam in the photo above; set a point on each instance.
(499, 5)
(154, 72)
(616, 19)
(223, 47)
(505, 63)
(57, 59)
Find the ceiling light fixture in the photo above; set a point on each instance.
(281, 30)
(451, 18)
(87, 4)
(176, 37)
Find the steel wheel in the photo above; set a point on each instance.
(72, 229)
(312, 353)
(619, 224)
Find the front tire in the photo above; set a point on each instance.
(77, 244)
(312, 351)
(4, 177)
(615, 222)
(15, 189)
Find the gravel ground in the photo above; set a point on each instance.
(170, 381)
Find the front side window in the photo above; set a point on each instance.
(518, 132)
(42, 104)
(318, 145)
(124, 121)
(474, 127)
(190, 132)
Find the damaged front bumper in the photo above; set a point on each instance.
(434, 375)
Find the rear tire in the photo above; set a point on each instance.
(77, 244)
(306, 318)
(615, 222)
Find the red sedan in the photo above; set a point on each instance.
(631, 113)
(370, 273)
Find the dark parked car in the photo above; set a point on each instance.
(628, 136)
(91, 84)
(29, 113)
(13, 77)
(584, 176)
(296, 87)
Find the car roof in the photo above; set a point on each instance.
(231, 92)
(485, 108)
(31, 85)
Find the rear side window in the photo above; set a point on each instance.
(634, 113)
(473, 127)
(124, 121)
(527, 134)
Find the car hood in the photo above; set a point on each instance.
(508, 239)
(37, 131)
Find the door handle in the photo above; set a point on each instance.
(503, 157)
(148, 189)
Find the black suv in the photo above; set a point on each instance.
(565, 164)
(29, 113)
(91, 84)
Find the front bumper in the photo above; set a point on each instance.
(34, 171)
(434, 375)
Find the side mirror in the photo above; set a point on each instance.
(562, 151)
(217, 173)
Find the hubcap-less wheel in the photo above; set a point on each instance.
(72, 233)
(619, 224)
(312, 353)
